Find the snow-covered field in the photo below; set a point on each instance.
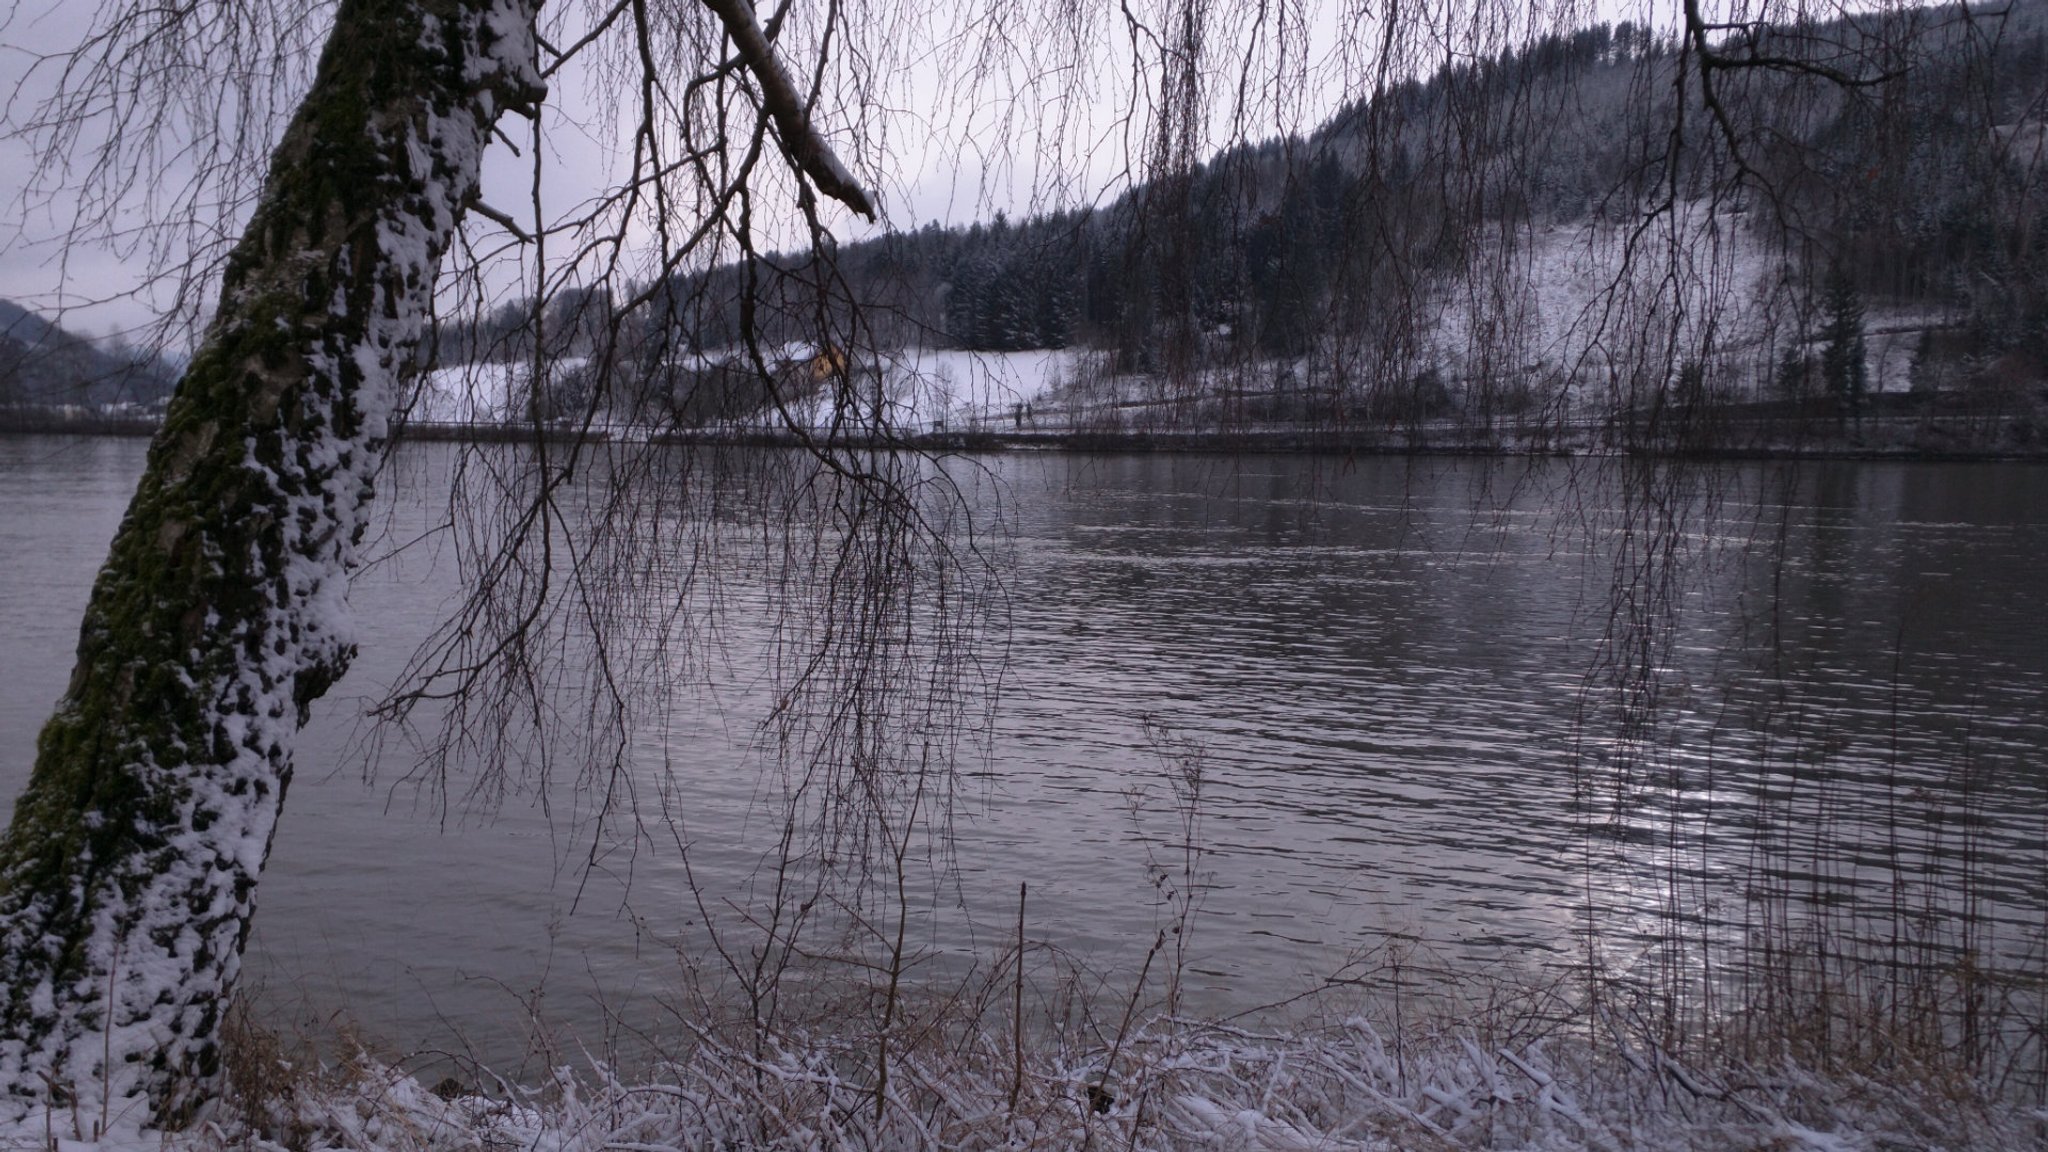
(483, 393)
(920, 390)
(949, 388)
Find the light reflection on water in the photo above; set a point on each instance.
(1425, 705)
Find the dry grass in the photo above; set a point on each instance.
(1163, 1083)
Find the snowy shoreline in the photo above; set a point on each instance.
(1164, 1084)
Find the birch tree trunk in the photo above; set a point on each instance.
(128, 875)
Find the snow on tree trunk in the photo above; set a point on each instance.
(128, 875)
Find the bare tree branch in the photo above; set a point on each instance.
(801, 142)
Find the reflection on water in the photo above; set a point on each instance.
(1533, 717)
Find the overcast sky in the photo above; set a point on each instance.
(34, 269)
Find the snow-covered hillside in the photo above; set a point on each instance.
(1605, 310)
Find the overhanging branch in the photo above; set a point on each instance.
(800, 141)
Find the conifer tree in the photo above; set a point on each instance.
(1842, 363)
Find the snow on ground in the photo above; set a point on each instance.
(950, 388)
(472, 394)
(1164, 1085)
(1589, 300)
(919, 389)
(934, 390)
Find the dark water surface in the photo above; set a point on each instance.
(1529, 718)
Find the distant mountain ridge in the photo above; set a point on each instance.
(43, 364)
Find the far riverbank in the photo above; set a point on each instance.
(1889, 426)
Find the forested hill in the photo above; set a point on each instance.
(1921, 187)
(1917, 188)
(1574, 222)
(42, 364)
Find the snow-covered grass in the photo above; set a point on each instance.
(961, 1082)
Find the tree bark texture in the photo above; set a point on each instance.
(128, 875)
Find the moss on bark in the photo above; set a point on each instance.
(157, 782)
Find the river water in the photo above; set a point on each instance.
(1500, 714)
